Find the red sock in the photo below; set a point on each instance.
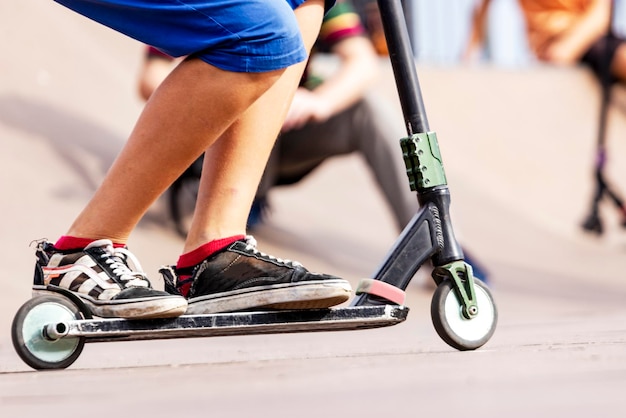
(189, 260)
(67, 242)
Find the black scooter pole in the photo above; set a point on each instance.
(403, 64)
(416, 123)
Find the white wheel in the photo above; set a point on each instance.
(453, 327)
(30, 341)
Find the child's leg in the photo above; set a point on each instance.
(192, 108)
(196, 103)
(220, 270)
(233, 166)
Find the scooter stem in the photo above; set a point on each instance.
(429, 234)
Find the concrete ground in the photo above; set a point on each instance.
(518, 148)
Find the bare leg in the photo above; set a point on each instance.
(233, 166)
(191, 109)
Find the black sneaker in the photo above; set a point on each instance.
(242, 278)
(108, 280)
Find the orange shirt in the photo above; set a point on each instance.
(548, 18)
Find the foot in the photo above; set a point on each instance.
(241, 278)
(108, 280)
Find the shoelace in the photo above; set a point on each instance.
(128, 277)
(251, 246)
(127, 256)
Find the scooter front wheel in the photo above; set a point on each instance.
(31, 339)
(453, 327)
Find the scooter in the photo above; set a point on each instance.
(50, 330)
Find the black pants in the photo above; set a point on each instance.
(600, 56)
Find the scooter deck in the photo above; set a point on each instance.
(239, 323)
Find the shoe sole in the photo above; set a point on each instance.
(307, 295)
(167, 307)
(146, 308)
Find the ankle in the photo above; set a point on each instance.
(68, 242)
(188, 261)
(198, 255)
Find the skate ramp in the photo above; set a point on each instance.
(518, 149)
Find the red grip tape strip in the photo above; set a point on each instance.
(381, 289)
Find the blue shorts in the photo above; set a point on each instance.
(234, 35)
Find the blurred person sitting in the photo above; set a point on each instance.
(329, 116)
(564, 32)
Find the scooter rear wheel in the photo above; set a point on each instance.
(28, 333)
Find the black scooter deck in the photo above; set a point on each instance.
(239, 323)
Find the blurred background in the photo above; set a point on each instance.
(517, 138)
(439, 30)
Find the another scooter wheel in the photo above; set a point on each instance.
(30, 339)
(453, 327)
